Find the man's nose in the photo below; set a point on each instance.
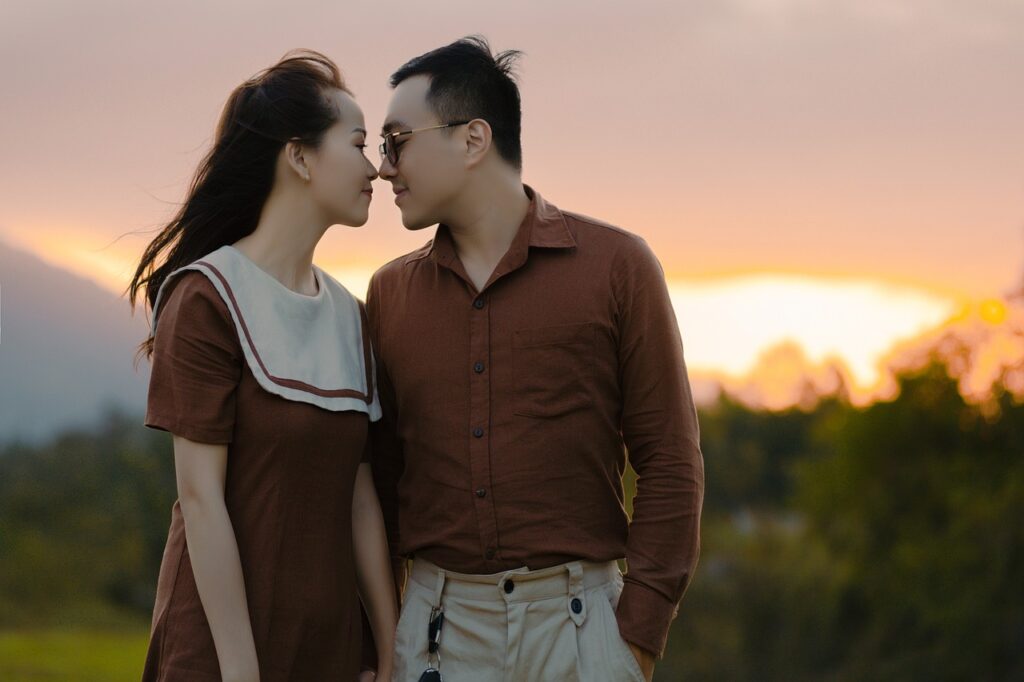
(387, 169)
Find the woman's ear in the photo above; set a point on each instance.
(478, 141)
(294, 153)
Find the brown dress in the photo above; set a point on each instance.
(290, 472)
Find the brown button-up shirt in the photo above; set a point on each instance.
(508, 412)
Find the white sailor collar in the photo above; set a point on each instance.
(312, 349)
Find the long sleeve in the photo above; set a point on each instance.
(660, 431)
(387, 464)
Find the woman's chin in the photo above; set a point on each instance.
(356, 220)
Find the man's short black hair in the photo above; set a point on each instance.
(467, 81)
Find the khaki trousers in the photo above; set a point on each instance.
(550, 625)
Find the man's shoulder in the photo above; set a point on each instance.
(618, 239)
(397, 268)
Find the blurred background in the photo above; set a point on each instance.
(834, 189)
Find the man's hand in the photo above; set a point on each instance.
(645, 660)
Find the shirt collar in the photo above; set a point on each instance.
(544, 227)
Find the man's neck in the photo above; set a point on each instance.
(488, 222)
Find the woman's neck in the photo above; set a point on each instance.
(283, 244)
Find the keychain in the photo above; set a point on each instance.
(433, 672)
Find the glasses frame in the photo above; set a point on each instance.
(389, 150)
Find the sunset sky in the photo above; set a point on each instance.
(830, 176)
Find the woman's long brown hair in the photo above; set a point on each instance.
(289, 100)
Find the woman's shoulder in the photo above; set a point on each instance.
(191, 296)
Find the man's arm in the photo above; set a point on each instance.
(660, 431)
(387, 463)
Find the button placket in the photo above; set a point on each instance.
(479, 424)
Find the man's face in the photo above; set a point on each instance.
(430, 169)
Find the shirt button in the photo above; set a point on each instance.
(478, 432)
(480, 492)
(478, 367)
(478, 303)
(576, 605)
(489, 553)
(509, 586)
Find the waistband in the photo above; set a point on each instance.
(515, 585)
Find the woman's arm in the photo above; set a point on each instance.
(373, 569)
(200, 469)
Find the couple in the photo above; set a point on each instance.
(491, 387)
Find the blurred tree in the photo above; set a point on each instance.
(83, 521)
(922, 500)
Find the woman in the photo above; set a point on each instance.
(263, 374)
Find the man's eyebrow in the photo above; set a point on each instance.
(359, 130)
(393, 125)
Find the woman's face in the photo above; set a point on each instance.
(339, 171)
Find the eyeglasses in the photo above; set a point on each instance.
(389, 150)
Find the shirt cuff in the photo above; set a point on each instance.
(644, 617)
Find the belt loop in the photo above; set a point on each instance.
(436, 603)
(575, 602)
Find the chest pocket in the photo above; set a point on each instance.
(553, 367)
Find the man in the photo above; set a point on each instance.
(520, 355)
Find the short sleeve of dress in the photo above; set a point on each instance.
(197, 363)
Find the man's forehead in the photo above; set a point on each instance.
(408, 107)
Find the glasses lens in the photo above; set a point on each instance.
(391, 150)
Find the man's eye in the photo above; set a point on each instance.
(361, 146)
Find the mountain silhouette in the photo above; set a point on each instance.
(66, 350)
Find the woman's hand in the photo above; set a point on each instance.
(384, 672)
(374, 578)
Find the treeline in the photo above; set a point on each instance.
(883, 543)
(83, 522)
(839, 543)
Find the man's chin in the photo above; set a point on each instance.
(413, 223)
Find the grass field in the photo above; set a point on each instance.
(72, 655)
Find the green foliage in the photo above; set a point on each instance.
(883, 543)
(923, 500)
(838, 543)
(83, 522)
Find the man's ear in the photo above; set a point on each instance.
(294, 153)
(478, 141)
